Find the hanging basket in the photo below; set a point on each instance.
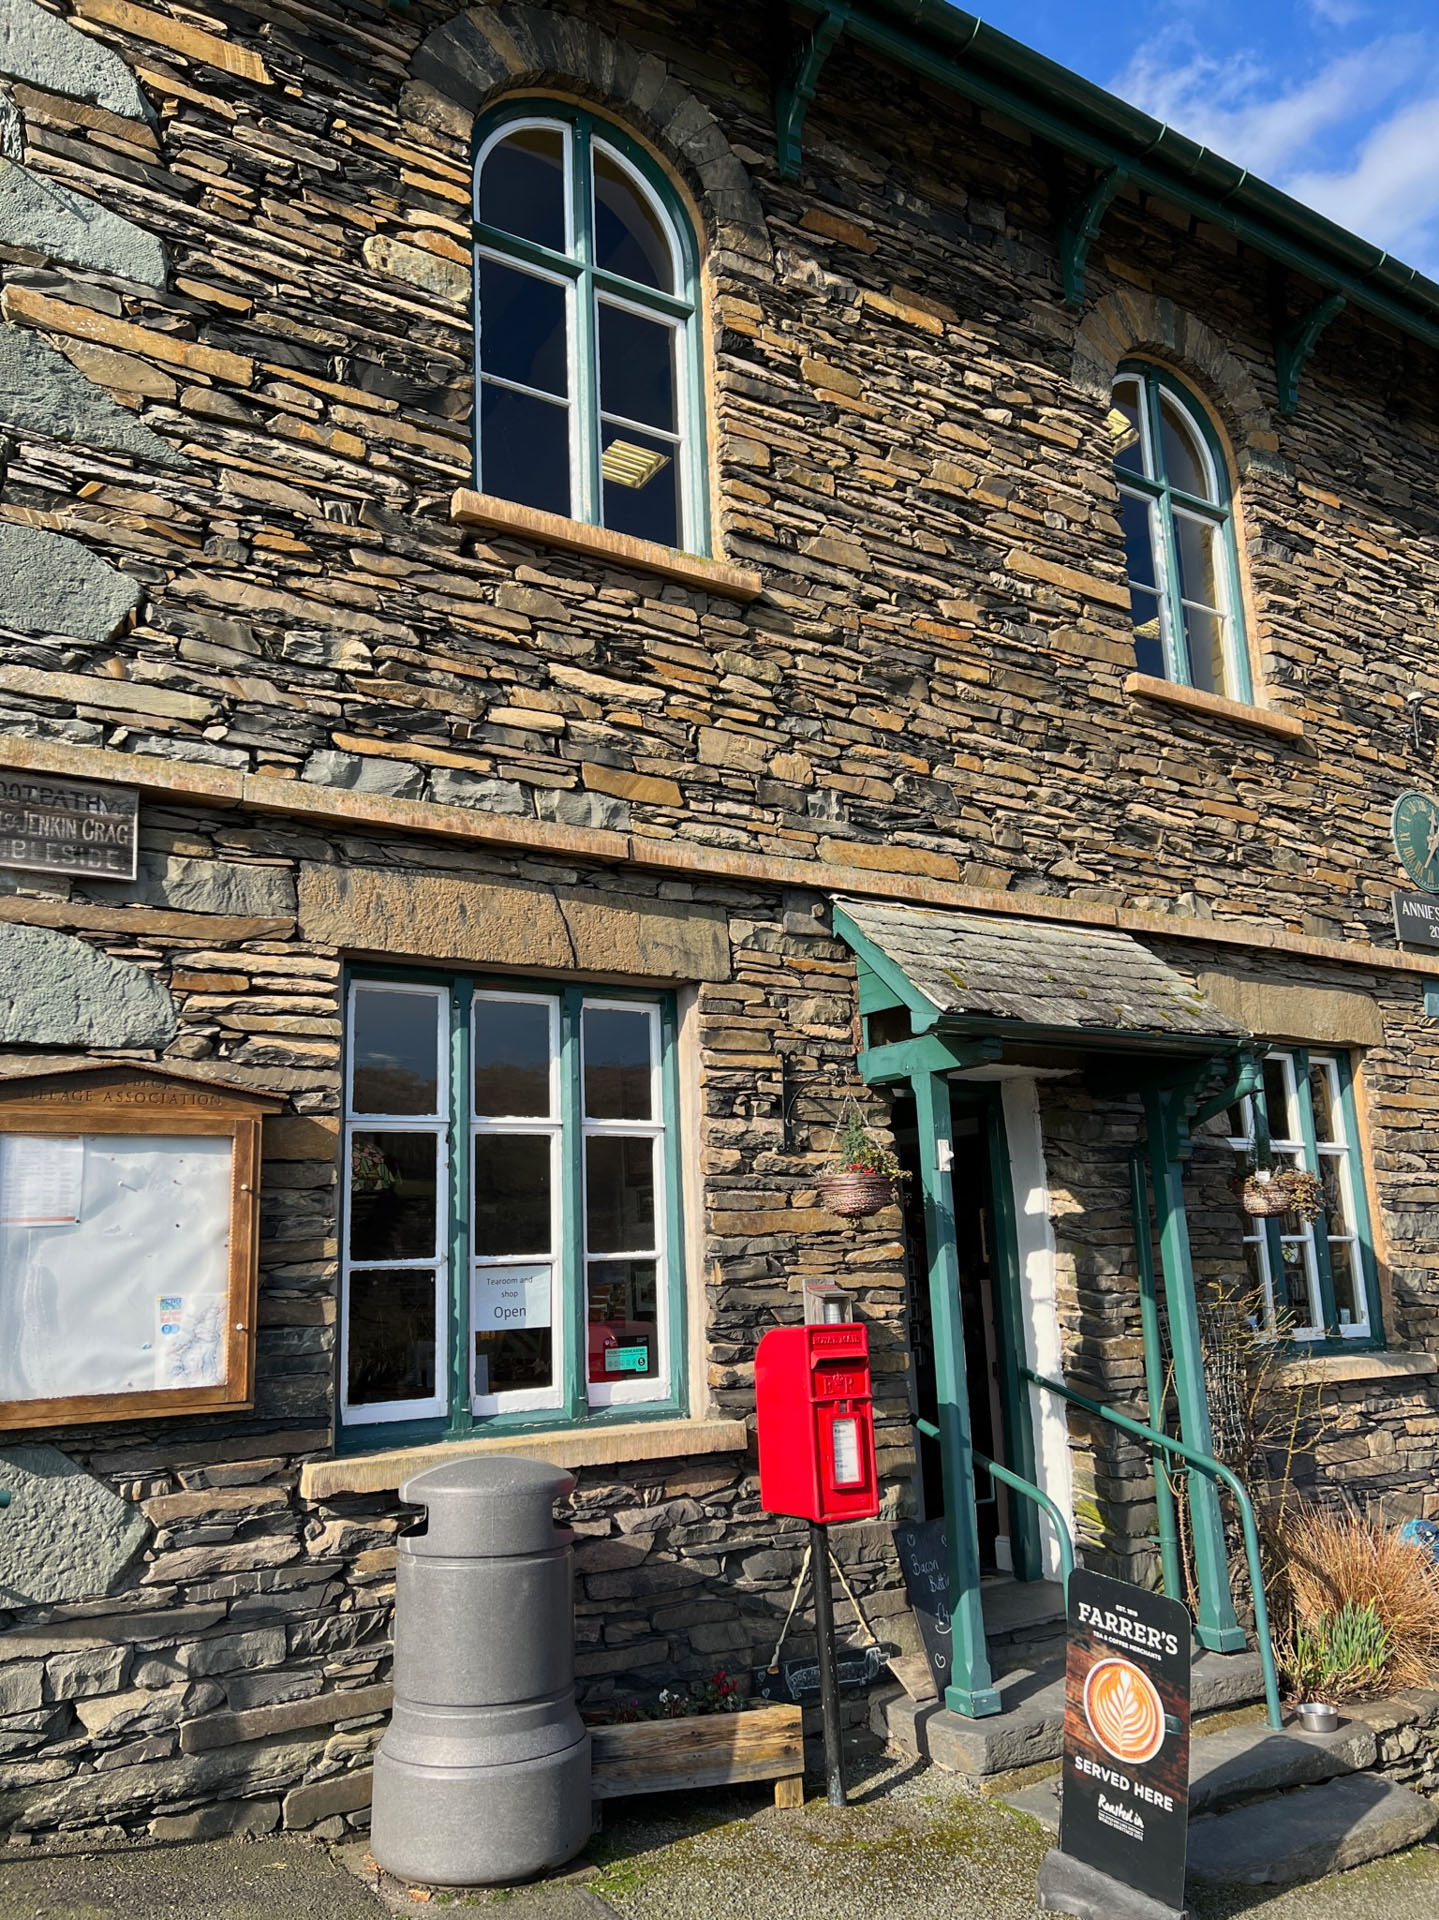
(1291, 1190)
(855, 1192)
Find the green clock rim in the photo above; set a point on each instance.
(1425, 800)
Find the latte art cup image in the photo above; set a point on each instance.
(1124, 1711)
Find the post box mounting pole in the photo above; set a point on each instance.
(824, 1646)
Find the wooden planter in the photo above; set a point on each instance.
(703, 1750)
(854, 1193)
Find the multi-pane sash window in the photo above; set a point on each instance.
(588, 361)
(1316, 1277)
(1178, 523)
(511, 1221)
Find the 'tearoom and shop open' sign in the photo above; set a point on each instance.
(1125, 1805)
(67, 826)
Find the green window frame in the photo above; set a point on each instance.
(543, 1246)
(1177, 512)
(560, 197)
(1318, 1279)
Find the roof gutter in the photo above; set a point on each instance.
(957, 50)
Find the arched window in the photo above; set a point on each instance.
(1178, 536)
(588, 350)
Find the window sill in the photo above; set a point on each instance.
(469, 509)
(1147, 687)
(1338, 1369)
(590, 1446)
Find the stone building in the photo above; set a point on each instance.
(931, 608)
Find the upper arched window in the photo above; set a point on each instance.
(588, 355)
(1179, 536)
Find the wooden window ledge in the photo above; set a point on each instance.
(1338, 1369)
(588, 1446)
(1148, 687)
(469, 509)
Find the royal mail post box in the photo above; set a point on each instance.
(816, 1423)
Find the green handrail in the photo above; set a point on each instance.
(1216, 1470)
(1019, 1485)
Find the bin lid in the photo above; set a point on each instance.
(488, 1508)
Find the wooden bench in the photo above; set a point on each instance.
(702, 1750)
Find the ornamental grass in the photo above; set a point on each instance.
(1345, 1571)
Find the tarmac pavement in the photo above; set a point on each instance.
(912, 1846)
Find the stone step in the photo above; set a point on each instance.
(1016, 1610)
(1238, 1764)
(1310, 1832)
(1030, 1727)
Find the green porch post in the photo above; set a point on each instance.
(1217, 1627)
(1168, 1527)
(970, 1691)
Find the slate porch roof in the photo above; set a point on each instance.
(1037, 974)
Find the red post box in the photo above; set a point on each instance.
(816, 1423)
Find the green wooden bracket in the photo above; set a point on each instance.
(1294, 346)
(793, 93)
(1080, 226)
(928, 1053)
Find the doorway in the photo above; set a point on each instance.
(989, 1304)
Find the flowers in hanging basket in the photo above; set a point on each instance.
(862, 1177)
(1268, 1191)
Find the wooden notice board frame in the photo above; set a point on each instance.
(129, 1099)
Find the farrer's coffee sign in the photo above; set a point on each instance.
(1125, 1805)
(67, 826)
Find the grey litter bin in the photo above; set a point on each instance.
(483, 1776)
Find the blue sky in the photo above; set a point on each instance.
(1335, 101)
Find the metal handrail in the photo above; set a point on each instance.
(1216, 1470)
(1018, 1484)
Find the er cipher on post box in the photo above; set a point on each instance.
(816, 1423)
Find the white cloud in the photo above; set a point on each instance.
(1390, 192)
(1338, 13)
(1229, 104)
(1350, 139)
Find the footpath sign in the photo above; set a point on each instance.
(1124, 1811)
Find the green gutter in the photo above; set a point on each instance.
(959, 51)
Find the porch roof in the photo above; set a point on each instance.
(983, 973)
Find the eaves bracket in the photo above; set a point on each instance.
(1294, 346)
(795, 90)
(1080, 226)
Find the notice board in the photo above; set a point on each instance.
(128, 1212)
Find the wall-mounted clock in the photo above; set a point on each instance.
(1415, 827)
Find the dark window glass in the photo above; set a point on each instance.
(617, 1064)
(525, 449)
(522, 328)
(628, 236)
(645, 502)
(394, 1052)
(637, 367)
(510, 1195)
(391, 1335)
(1276, 1100)
(1148, 640)
(522, 187)
(619, 1194)
(1124, 425)
(392, 1196)
(1183, 465)
(512, 1060)
(515, 1357)
(623, 1320)
(1347, 1301)
(1204, 635)
(1138, 539)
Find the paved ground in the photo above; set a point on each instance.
(911, 1848)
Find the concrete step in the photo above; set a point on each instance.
(1030, 1726)
(1017, 1610)
(1310, 1832)
(1238, 1764)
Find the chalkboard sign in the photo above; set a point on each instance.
(924, 1560)
(796, 1680)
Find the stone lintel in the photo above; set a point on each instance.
(1323, 1016)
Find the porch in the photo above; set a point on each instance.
(972, 1023)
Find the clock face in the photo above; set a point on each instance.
(1416, 838)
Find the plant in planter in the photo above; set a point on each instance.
(1267, 1191)
(863, 1174)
